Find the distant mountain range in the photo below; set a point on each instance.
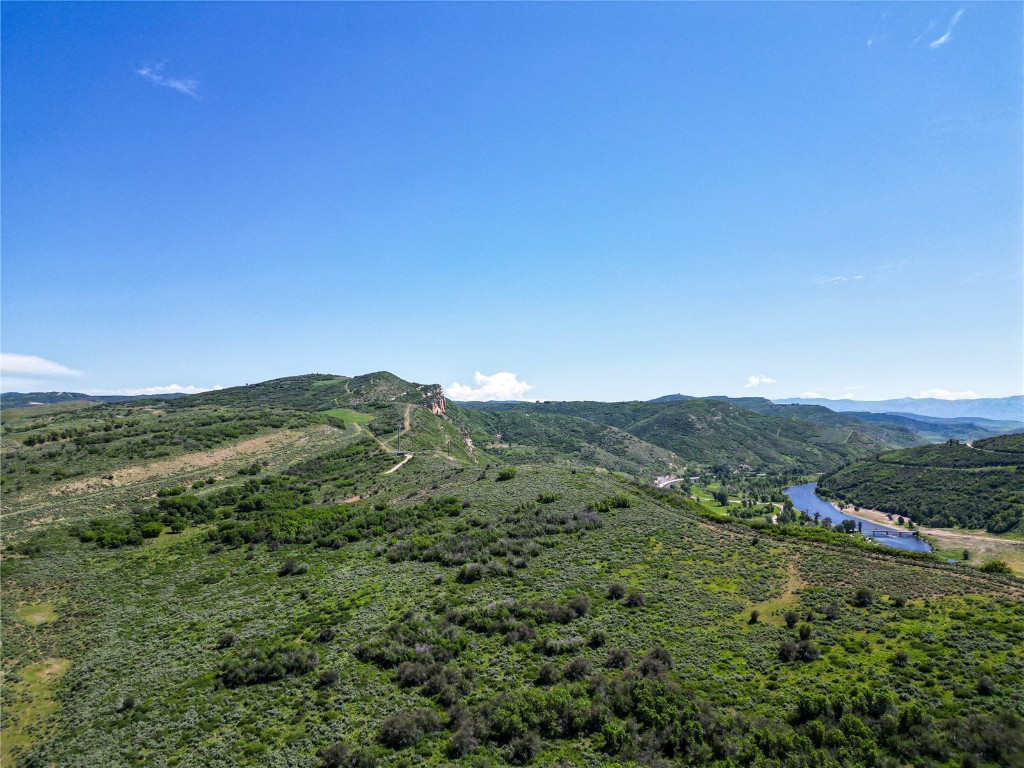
(996, 408)
(25, 399)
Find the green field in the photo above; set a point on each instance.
(348, 416)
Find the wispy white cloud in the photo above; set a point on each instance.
(938, 43)
(838, 279)
(154, 74)
(756, 381)
(32, 367)
(927, 31)
(876, 34)
(945, 394)
(811, 393)
(169, 389)
(499, 386)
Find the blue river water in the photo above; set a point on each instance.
(805, 499)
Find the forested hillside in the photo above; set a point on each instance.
(252, 577)
(976, 485)
(707, 431)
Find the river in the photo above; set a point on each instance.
(805, 499)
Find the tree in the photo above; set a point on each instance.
(864, 596)
(996, 566)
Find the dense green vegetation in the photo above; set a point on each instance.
(694, 432)
(333, 604)
(980, 485)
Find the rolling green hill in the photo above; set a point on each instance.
(252, 577)
(708, 432)
(976, 485)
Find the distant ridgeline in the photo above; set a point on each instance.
(978, 485)
(750, 434)
(28, 399)
(991, 408)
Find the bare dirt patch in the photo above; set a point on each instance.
(254, 447)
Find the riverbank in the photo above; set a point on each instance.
(805, 498)
(982, 545)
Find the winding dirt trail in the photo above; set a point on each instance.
(399, 464)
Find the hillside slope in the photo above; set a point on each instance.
(319, 602)
(977, 485)
(708, 432)
(939, 430)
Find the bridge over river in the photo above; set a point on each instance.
(889, 532)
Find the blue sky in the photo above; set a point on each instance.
(602, 201)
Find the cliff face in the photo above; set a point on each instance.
(436, 401)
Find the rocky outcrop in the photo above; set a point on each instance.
(436, 401)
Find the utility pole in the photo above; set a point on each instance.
(399, 438)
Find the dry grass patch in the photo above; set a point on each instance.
(37, 613)
(33, 702)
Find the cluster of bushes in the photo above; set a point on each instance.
(644, 716)
(414, 637)
(641, 715)
(110, 533)
(498, 546)
(870, 720)
(272, 508)
(517, 620)
(83, 432)
(615, 501)
(260, 664)
(343, 467)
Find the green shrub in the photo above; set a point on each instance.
(863, 597)
(995, 566)
(470, 572)
(340, 755)
(618, 658)
(635, 599)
